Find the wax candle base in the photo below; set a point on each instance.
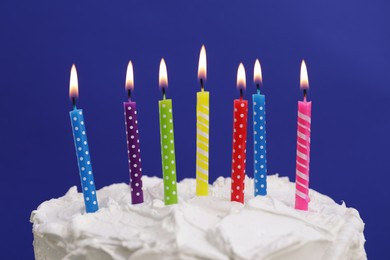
(303, 156)
(168, 151)
(134, 153)
(202, 144)
(84, 160)
(239, 149)
(259, 140)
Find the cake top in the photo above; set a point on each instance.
(209, 227)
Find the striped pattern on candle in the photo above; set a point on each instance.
(202, 144)
(303, 156)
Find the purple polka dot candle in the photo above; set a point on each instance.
(133, 147)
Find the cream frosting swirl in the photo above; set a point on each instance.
(209, 227)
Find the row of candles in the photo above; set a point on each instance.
(240, 116)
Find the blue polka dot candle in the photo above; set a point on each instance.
(82, 150)
(259, 136)
(133, 147)
(167, 141)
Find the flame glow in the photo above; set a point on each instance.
(304, 77)
(241, 78)
(163, 75)
(73, 83)
(129, 77)
(202, 65)
(257, 76)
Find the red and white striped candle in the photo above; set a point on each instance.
(303, 146)
(239, 139)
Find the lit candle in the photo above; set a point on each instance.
(133, 147)
(239, 139)
(303, 145)
(82, 150)
(167, 140)
(202, 130)
(259, 135)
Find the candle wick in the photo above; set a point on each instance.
(241, 93)
(163, 91)
(129, 94)
(258, 88)
(304, 94)
(74, 103)
(202, 84)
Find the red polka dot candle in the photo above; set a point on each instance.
(303, 146)
(133, 147)
(240, 116)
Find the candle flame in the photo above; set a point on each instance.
(241, 78)
(304, 77)
(73, 83)
(129, 77)
(163, 75)
(257, 75)
(202, 65)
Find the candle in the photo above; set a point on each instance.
(303, 145)
(239, 139)
(133, 147)
(259, 135)
(167, 140)
(81, 145)
(202, 130)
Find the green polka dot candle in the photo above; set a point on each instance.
(167, 141)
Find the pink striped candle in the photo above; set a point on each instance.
(303, 146)
(133, 148)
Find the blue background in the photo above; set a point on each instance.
(346, 45)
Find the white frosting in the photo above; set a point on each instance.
(209, 227)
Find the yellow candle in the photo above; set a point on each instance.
(202, 143)
(202, 131)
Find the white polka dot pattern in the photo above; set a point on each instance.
(133, 152)
(240, 116)
(84, 160)
(168, 151)
(259, 146)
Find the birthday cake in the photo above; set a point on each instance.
(211, 227)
